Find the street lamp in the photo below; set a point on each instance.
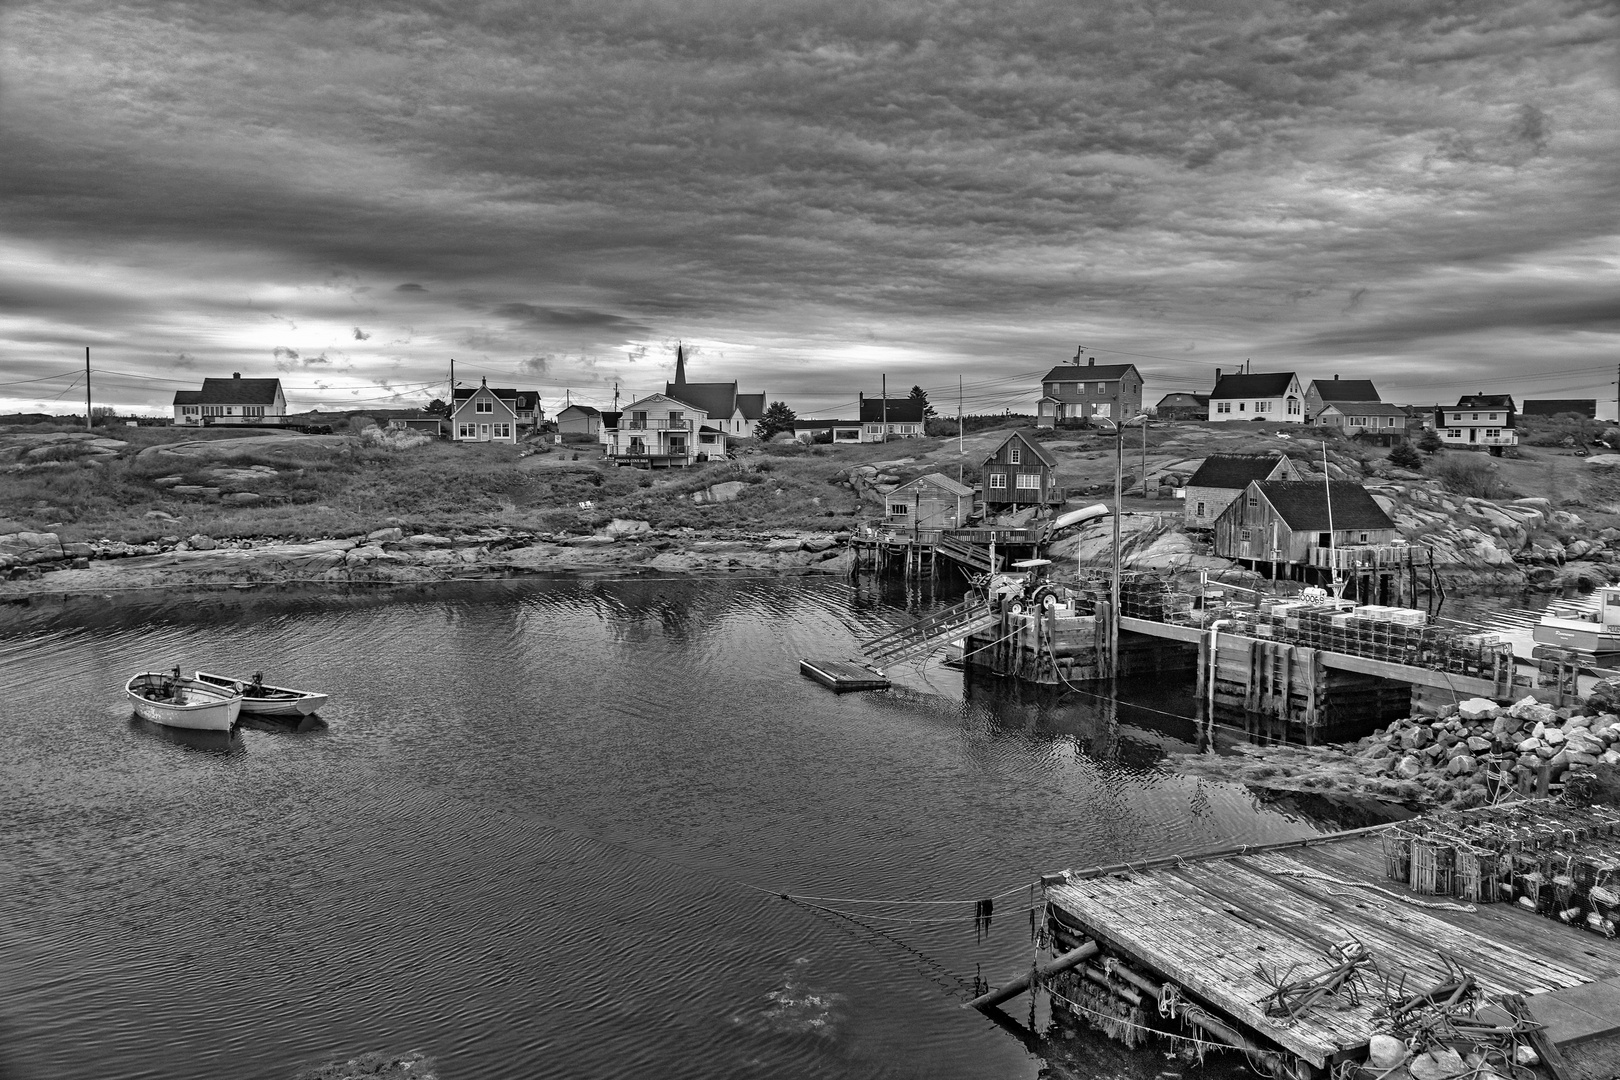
(1118, 432)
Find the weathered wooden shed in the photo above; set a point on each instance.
(1223, 477)
(1286, 521)
(930, 502)
(1020, 472)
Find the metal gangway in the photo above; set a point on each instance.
(926, 635)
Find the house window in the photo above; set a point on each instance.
(503, 430)
(1389, 421)
(1102, 388)
(188, 410)
(1492, 416)
(1293, 406)
(1243, 534)
(1493, 433)
(1223, 406)
(1456, 417)
(1015, 454)
(899, 510)
(676, 419)
(212, 410)
(1048, 390)
(1363, 538)
(1104, 410)
(1200, 511)
(998, 481)
(1254, 500)
(847, 435)
(706, 439)
(253, 410)
(1029, 481)
(464, 431)
(1242, 405)
(1262, 406)
(484, 405)
(1473, 416)
(1075, 389)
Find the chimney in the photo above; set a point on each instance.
(1335, 376)
(236, 374)
(1091, 361)
(483, 382)
(1217, 373)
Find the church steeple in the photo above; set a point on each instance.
(680, 364)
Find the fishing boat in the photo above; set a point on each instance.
(169, 699)
(261, 699)
(1582, 626)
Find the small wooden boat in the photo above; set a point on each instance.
(174, 701)
(1591, 631)
(261, 699)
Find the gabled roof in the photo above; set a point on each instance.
(1270, 384)
(1586, 407)
(1346, 390)
(1041, 452)
(1192, 399)
(232, 391)
(715, 399)
(582, 410)
(812, 425)
(611, 419)
(1484, 401)
(1088, 372)
(941, 481)
(1303, 505)
(1233, 470)
(462, 393)
(902, 410)
(528, 399)
(1364, 408)
(751, 405)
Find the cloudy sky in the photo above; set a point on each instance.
(810, 193)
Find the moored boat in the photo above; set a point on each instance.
(261, 699)
(175, 701)
(1590, 630)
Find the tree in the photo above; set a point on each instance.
(919, 395)
(1404, 455)
(777, 417)
(437, 407)
(1429, 441)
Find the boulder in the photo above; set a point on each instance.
(1409, 768)
(31, 547)
(1529, 746)
(621, 527)
(424, 540)
(1441, 1063)
(1582, 741)
(1553, 737)
(242, 498)
(1476, 709)
(783, 545)
(1385, 1052)
(1605, 696)
(168, 481)
(200, 542)
(819, 543)
(160, 515)
(1479, 744)
(1462, 765)
(720, 493)
(384, 536)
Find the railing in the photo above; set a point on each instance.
(658, 425)
(1359, 556)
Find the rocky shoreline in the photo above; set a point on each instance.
(35, 563)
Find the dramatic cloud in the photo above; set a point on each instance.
(809, 194)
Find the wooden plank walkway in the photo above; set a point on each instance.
(841, 676)
(1208, 924)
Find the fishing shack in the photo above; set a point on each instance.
(1286, 522)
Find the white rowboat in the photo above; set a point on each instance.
(183, 703)
(261, 699)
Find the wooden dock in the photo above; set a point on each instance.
(842, 676)
(1224, 929)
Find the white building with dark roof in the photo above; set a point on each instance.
(231, 401)
(1272, 396)
(727, 411)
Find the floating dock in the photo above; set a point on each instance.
(1238, 939)
(842, 676)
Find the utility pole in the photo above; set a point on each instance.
(615, 396)
(885, 408)
(961, 439)
(1144, 455)
(89, 423)
(450, 398)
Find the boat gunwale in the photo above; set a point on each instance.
(222, 696)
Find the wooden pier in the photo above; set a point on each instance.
(1215, 937)
(842, 676)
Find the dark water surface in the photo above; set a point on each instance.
(525, 840)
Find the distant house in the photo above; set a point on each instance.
(1586, 407)
(410, 420)
(1182, 406)
(660, 431)
(530, 413)
(1020, 472)
(892, 418)
(1223, 477)
(231, 401)
(1336, 391)
(484, 414)
(726, 410)
(1477, 420)
(580, 420)
(1289, 521)
(1385, 424)
(1270, 396)
(933, 501)
(1076, 391)
(837, 431)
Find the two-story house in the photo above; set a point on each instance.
(231, 401)
(485, 413)
(660, 431)
(1076, 391)
(1267, 396)
(1020, 472)
(1336, 391)
(1223, 477)
(891, 418)
(1477, 420)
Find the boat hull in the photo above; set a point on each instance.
(1583, 637)
(201, 707)
(286, 703)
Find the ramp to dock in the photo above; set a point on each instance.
(926, 635)
(1212, 924)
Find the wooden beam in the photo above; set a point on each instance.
(1462, 685)
(1022, 983)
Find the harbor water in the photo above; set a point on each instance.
(545, 829)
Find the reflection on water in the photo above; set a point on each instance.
(542, 829)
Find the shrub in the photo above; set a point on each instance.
(1466, 474)
(1405, 456)
(393, 438)
(1429, 442)
(575, 438)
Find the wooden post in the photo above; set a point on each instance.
(1043, 971)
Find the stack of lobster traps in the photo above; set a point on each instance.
(1555, 859)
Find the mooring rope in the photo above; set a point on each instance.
(1441, 905)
